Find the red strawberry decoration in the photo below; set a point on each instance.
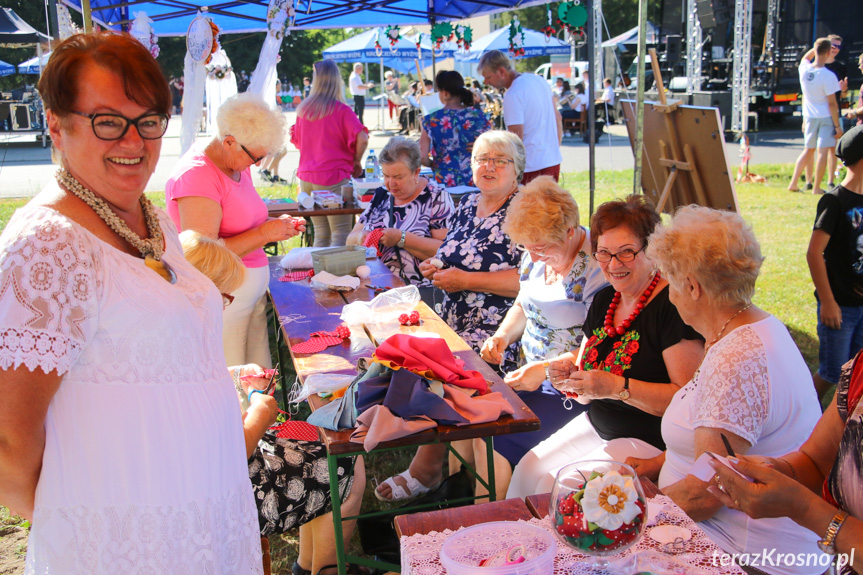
(410, 319)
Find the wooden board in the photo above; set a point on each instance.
(276, 210)
(457, 517)
(697, 128)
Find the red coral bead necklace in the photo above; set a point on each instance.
(615, 301)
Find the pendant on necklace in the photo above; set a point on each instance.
(161, 267)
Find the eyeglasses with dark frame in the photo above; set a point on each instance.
(623, 256)
(248, 153)
(839, 47)
(498, 162)
(110, 127)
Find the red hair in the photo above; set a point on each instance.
(142, 76)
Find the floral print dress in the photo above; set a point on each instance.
(451, 132)
(476, 244)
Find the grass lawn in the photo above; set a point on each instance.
(782, 223)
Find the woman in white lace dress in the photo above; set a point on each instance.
(119, 431)
(753, 386)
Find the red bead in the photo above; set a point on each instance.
(626, 323)
(611, 331)
(639, 306)
(643, 298)
(612, 306)
(620, 330)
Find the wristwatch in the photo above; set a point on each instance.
(624, 393)
(828, 544)
(401, 242)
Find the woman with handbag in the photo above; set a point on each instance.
(407, 218)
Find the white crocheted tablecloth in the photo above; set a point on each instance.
(421, 553)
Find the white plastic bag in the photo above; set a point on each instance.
(384, 309)
(321, 383)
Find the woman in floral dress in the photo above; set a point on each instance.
(449, 133)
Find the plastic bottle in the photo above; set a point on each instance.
(371, 165)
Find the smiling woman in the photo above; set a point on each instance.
(91, 331)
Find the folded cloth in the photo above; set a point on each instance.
(373, 240)
(378, 424)
(340, 413)
(409, 396)
(488, 407)
(430, 358)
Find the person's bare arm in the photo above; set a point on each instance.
(418, 246)
(559, 119)
(26, 397)
(205, 216)
(357, 235)
(362, 143)
(504, 283)
(831, 313)
(834, 114)
(808, 56)
(517, 129)
(425, 147)
(262, 413)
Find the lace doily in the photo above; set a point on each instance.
(421, 553)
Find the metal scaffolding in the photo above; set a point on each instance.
(694, 46)
(741, 65)
(597, 71)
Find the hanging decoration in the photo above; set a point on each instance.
(549, 30)
(441, 33)
(464, 36)
(65, 24)
(572, 16)
(516, 37)
(202, 41)
(393, 34)
(141, 30)
(419, 40)
(280, 18)
(379, 50)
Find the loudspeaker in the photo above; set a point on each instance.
(713, 13)
(672, 49)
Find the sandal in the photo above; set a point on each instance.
(399, 493)
(297, 570)
(350, 569)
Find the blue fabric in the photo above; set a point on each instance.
(401, 57)
(547, 403)
(837, 346)
(451, 132)
(476, 244)
(6, 68)
(409, 396)
(535, 44)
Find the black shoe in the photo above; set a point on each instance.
(279, 181)
(266, 174)
(808, 186)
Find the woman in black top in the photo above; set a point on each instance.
(638, 354)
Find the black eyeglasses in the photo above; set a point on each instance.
(150, 126)
(623, 256)
(837, 47)
(248, 153)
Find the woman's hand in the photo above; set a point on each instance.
(391, 237)
(358, 169)
(264, 406)
(251, 377)
(493, 348)
(831, 314)
(593, 384)
(648, 468)
(282, 228)
(450, 279)
(772, 494)
(560, 370)
(526, 378)
(427, 269)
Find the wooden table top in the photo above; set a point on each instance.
(315, 310)
(457, 517)
(295, 210)
(538, 504)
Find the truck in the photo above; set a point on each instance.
(554, 70)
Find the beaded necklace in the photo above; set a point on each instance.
(642, 301)
(150, 249)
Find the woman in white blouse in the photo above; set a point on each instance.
(752, 387)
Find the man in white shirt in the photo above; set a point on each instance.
(607, 100)
(821, 124)
(358, 90)
(529, 113)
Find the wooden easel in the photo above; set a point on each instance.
(673, 164)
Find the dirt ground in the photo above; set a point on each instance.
(13, 548)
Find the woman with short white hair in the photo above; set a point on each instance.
(752, 393)
(211, 191)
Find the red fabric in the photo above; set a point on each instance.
(855, 391)
(373, 240)
(296, 276)
(299, 430)
(313, 345)
(424, 354)
(553, 171)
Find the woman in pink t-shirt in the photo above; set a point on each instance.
(332, 141)
(211, 191)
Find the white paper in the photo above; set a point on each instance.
(703, 471)
(330, 280)
(430, 103)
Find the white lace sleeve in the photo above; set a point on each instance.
(48, 291)
(733, 387)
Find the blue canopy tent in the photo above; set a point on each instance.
(172, 17)
(6, 68)
(32, 66)
(401, 57)
(535, 44)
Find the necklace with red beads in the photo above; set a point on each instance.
(609, 328)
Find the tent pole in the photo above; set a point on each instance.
(381, 113)
(88, 18)
(639, 97)
(591, 106)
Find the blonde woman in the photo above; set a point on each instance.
(331, 141)
(211, 191)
